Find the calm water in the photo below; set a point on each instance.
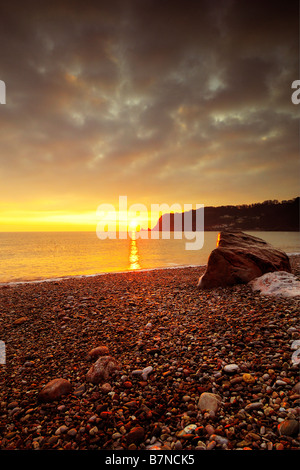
(47, 255)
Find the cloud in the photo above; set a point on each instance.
(154, 99)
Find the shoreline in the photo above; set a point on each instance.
(83, 276)
(294, 255)
(149, 318)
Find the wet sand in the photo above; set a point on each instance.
(156, 319)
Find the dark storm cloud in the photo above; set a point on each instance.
(148, 97)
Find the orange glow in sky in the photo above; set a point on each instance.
(162, 105)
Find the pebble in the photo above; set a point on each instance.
(223, 441)
(54, 390)
(289, 427)
(62, 429)
(146, 372)
(280, 383)
(254, 406)
(231, 368)
(102, 369)
(135, 435)
(190, 428)
(189, 348)
(211, 445)
(93, 431)
(98, 352)
(200, 445)
(209, 402)
(106, 388)
(209, 429)
(248, 378)
(137, 372)
(296, 388)
(21, 320)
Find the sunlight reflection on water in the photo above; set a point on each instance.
(134, 257)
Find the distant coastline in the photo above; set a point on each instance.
(270, 215)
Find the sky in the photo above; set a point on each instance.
(185, 102)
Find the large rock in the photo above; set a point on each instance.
(277, 283)
(240, 258)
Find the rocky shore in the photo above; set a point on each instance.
(177, 368)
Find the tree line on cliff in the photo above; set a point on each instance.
(270, 215)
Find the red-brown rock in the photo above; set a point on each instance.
(101, 369)
(239, 258)
(54, 390)
(98, 352)
(135, 435)
(21, 320)
(289, 427)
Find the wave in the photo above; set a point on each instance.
(81, 276)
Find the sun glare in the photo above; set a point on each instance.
(133, 224)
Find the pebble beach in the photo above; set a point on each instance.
(197, 369)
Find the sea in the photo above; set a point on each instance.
(39, 256)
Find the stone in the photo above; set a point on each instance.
(209, 402)
(296, 388)
(61, 430)
(223, 441)
(101, 369)
(135, 435)
(278, 283)
(21, 320)
(146, 372)
(190, 428)
(231, 368)
(80, 390)
(239, 258)
(178, 445)
(106, 388)
(54, 390)
(209, 429)
(127, 384)
(254, 406)
(248, 378)
(200, 446)
(289, 427)
(137, 372)
(98, 352)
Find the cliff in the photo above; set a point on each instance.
(266, 216)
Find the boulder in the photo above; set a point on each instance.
(54, 390)
(277, 283)
(240, 258)
(101, 369)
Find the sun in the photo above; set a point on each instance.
(133, 224)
